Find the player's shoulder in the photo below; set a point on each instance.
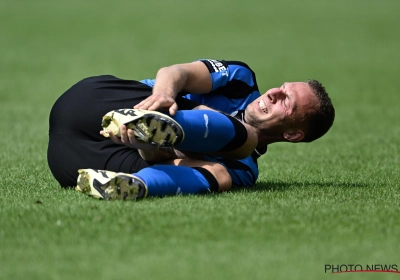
(218, 65)
(238, 63)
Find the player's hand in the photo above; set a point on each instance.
(157, 101)
(128, 139)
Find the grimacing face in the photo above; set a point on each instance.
(281, 111)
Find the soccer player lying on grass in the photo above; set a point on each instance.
(229, 147)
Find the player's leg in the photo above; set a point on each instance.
(204, 131)
(75, 122)
(185, 177)
(210, 131)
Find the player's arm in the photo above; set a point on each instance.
(192, 77)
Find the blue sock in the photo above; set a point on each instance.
(209, 131)
(164, 180)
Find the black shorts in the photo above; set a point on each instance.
(75, 122)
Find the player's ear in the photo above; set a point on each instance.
(294, 136)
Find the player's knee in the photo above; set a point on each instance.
(223, 177)
(217, 176)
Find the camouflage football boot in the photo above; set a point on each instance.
(148, 126)
(109, 185)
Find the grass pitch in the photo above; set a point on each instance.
(335, 201)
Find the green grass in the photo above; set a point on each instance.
(335, 201)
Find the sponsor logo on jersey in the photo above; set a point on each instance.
(218, 66)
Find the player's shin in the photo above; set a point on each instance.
(209, 131)
(162, 180)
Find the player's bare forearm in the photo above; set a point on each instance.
(192, 77)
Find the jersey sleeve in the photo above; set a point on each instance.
(234, 86)
(149, 82)
(230, 74)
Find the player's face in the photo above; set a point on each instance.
(282, 109)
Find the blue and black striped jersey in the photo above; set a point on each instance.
(234, 86)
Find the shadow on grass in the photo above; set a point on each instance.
(280, 186)
(268, 186)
